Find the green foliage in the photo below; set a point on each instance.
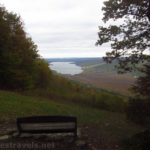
(130, 37)
(129, 40)
(140, 141)
(44, 75)
(139, 110)
(69, 91)
(142, 86)
(19, 62)
(139, 106)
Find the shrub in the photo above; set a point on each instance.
(139, 110)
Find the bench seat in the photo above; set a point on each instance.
(47, 124)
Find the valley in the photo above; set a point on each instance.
(97, 73)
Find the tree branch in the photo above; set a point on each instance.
(148, 14)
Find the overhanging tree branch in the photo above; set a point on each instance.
(133, 35)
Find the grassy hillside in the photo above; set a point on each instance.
(107, 127)
(15, 105)
(69, 91)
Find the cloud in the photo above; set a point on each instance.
(63, 25)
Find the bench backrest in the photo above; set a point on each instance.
(47, 124)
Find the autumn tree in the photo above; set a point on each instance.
(18, 54)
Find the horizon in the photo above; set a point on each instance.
(70, 57)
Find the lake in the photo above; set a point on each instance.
(66, 68)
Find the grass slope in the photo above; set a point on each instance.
(105, 127)
(14, 105)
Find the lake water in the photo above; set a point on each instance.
(66, 68)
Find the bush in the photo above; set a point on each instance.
(139, 141)
(139, 110)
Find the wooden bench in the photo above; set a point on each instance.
(47, 124)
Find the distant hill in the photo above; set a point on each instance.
(92, 64)
(98, 73)
(75, 60)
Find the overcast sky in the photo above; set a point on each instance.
(61, 28)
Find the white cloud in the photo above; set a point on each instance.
(61, 27)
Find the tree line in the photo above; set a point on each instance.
(20, 65)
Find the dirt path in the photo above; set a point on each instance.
(91, 137)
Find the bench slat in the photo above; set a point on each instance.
(47, 124)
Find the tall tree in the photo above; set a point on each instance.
(128, 32)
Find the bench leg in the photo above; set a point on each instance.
(18, 134)
(75, 135)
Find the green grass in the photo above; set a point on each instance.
(13, 105)
(110, 126)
